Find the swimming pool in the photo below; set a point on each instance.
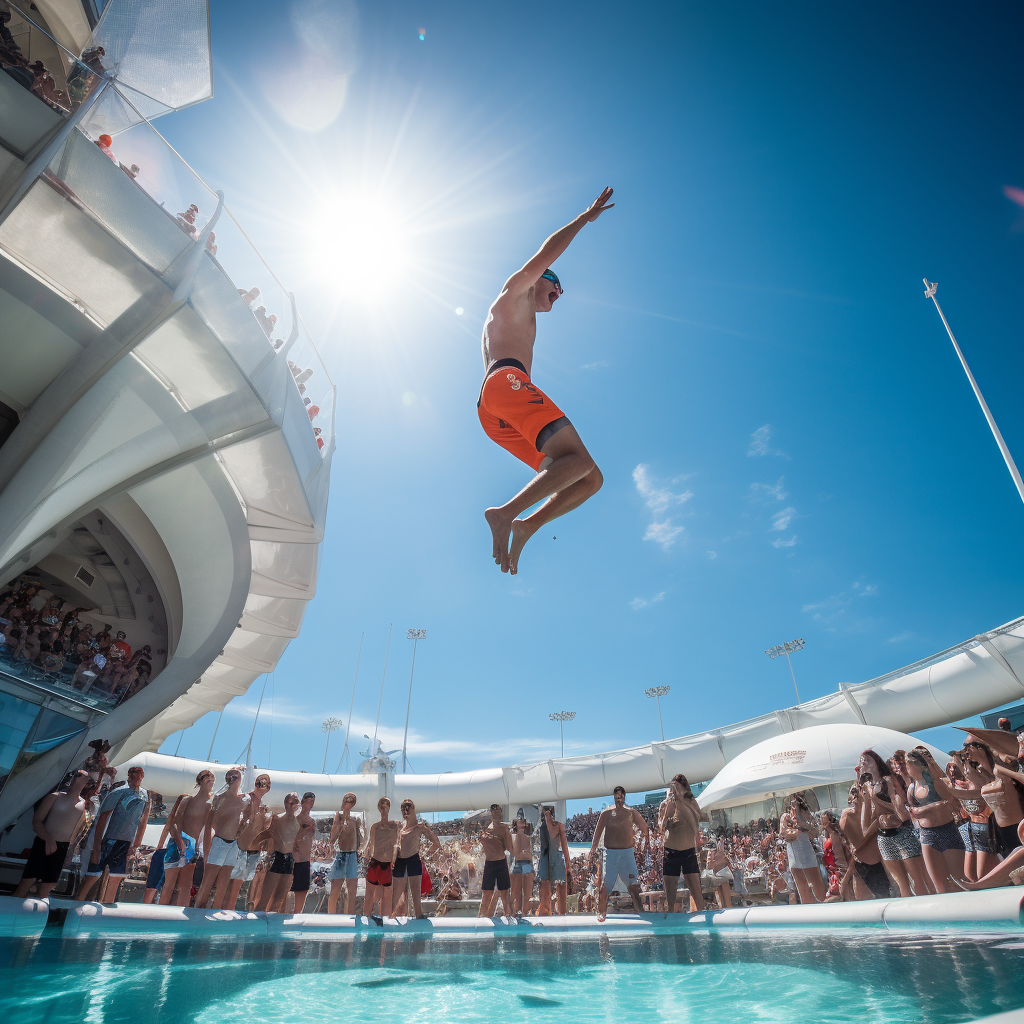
(841, 976)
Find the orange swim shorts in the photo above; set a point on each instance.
(515, 413)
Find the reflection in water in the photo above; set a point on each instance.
(845, 976)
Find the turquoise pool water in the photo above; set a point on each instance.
(844, 976)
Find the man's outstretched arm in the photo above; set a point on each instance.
(557, 243)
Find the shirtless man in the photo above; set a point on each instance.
(406, 866)
(255, 819)
(220, 838)
(517, 415)
(56, 821)
(616, 824)
(680, 818)
(1000, 794)
(284, 827)
(380, 852)
(303, 851)
(495, 838)
(187, 826)
(346, 833)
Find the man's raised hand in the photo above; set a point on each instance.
(599, 205)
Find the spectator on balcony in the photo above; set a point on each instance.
(187, 220)
(91, 59)
(266, 322)
(250, 296)
(45, 87)
(105, 142)
(6, 39)
(120, 649)
(211, 244)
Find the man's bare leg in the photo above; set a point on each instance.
(569, 463)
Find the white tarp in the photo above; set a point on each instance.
(818, 756)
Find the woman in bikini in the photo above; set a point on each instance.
(522, 869)
(898, 843)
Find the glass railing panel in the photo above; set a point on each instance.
(24, 119)
(315, 387)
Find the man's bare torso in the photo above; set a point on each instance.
(64, 817)
(1001, 796)
(348, 834)
(227, 816)
(681, 824)
(618, 829)
(303, 846)
(511, 329)
(409, 841)
(285, 830)
(383, 836)
(495, 839)
(256, 818)
(193, 816)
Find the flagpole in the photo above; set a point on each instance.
(930, 288)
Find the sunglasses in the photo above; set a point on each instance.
(263, 785)
(550, 276)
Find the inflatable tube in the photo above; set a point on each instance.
(992, 910)
(974, 676)
(22, 917)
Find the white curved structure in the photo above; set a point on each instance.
(972, 677)
(165, 441)
(822, 755)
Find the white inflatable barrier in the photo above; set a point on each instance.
(22, 917)
(992, 910)
(984, 672)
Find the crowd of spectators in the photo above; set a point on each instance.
(44, 638)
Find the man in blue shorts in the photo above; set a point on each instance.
(616, 825)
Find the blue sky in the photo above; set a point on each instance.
(789, 445)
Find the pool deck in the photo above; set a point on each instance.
(991, 910)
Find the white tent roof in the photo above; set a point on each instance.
(817, 756)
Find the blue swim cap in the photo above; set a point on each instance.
(553, 278)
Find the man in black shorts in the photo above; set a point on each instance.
(55, 822)
(680, 817)
(496, 838)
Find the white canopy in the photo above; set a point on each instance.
(803, 759)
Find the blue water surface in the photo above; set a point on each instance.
(847, 975)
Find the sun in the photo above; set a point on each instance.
(360, 244)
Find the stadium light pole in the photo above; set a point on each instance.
(787, 649)
(659, 692)
(415, 635)
(560, 717)
(328, 727)
(930, 288)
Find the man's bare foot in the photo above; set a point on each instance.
(521, 533)
(501, 527)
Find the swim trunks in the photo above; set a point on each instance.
(155, 874)
(378, 873)
(551, 866)
(300, 876)
(282, 864)
(875, 878)
(173, 857)
(114, 856)
(680, 862)
(515, 413)
(224, 852)
(620, 863)
(345, 866)
(245, 867)
(496, 876)
(410, 866)
(42, 866)
(1008, 837)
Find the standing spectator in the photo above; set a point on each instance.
(220, 838)
(187, 827)
(380, 851)
(552, 866)
(522, 867)
(250, 841)
(928, 799)
(155, 871)
(680, 818)
(284, 827)
(496, 838)
(616, 825)
(119, 830)
(56, 821)
(346, 832)
(406, 866)
(871, 879)
(302, 852)
(796, 827)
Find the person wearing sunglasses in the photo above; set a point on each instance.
(517, 415)
(284, 829)
(255, 820)
(220, 837)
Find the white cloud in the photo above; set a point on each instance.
(642, 602)
(768, 492)
(659, 501)
(759, 443)
(901, 637)
(781, 520)
(866, 589)
(779, 542)
(711, 554)
(599, 365)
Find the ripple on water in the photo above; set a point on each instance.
(669, 993)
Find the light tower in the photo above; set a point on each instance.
(787, 649)
(658, 692)
(415, 635)
(328, 727)
(560, 717)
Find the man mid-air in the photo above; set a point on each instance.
(516, 414)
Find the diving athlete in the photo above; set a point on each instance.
(516, 414)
